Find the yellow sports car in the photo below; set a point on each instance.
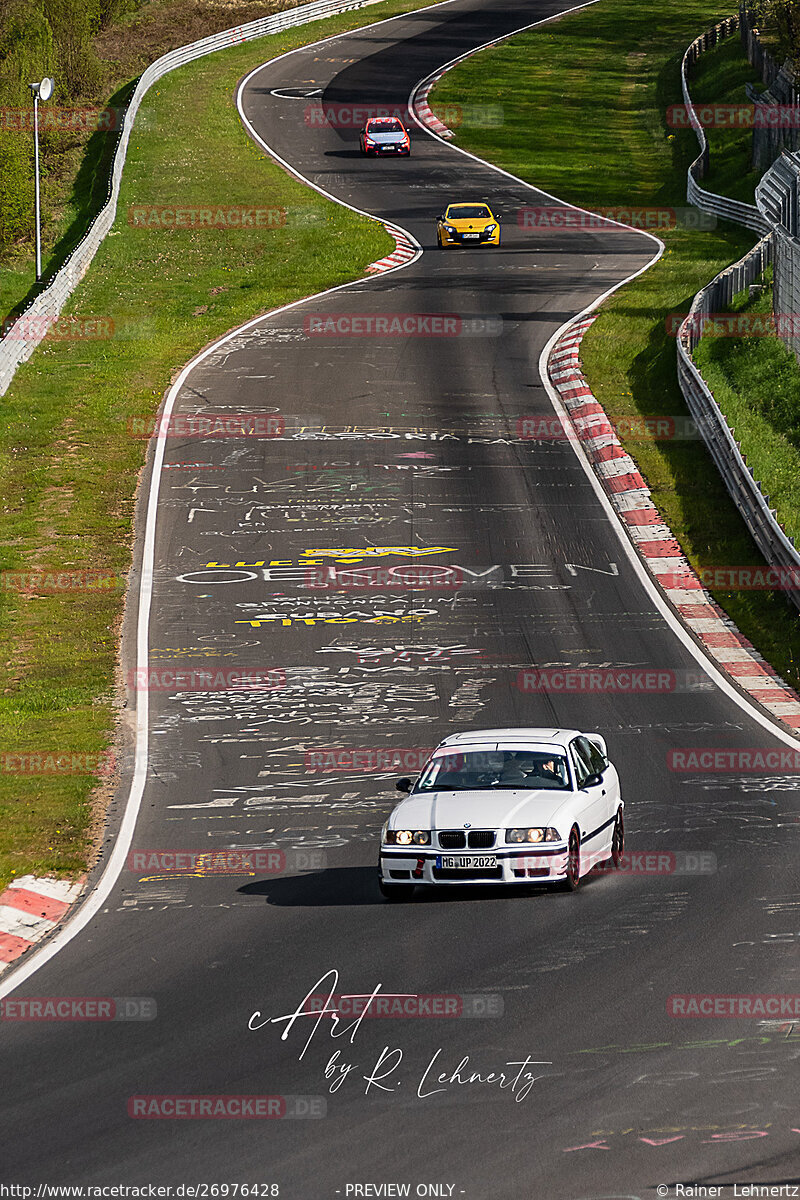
(468, 225)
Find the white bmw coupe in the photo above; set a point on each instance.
(504, 806)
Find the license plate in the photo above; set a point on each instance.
(466, 862)
(471, 235)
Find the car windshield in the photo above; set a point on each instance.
(385, 126)
(477, 770)
(462, 212)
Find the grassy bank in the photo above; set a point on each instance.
(75, 161)
(756, 381)
(585, 102)
(68, 467)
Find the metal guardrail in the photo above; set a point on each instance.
(778, 201)
(721, 206)
(762, 521)
(31, 326)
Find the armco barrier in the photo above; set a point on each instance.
(777, 200)
(721, 206)
(46, 306)
(772, 540)
(774, 543)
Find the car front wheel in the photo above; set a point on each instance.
(573, 879)
(618, 840)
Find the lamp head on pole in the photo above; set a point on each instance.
(43, 90)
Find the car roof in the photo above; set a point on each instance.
(482, 738)
(471, 203)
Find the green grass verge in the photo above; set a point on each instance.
(756, 382)
(75, 163)
(68, 466)
(74, 189)
(585, 102)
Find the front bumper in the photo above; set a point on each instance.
(461, 239)
(399, 148)
(399, 865)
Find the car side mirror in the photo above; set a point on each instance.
(403, 785)
(591, 781)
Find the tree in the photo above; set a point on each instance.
(26, 54)
(782, 17)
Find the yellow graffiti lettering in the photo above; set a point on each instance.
(350, 555)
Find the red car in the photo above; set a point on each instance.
(385, 135)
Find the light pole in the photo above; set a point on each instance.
(41, 91)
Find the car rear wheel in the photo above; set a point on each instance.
(618, 840)
(573, 879)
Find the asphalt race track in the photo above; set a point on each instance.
(392, 444)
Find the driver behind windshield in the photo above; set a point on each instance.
(509, 769)
(517, 771)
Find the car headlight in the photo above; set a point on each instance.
(490, 228)
(449, 229)
(408, 837)
(533, 835)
